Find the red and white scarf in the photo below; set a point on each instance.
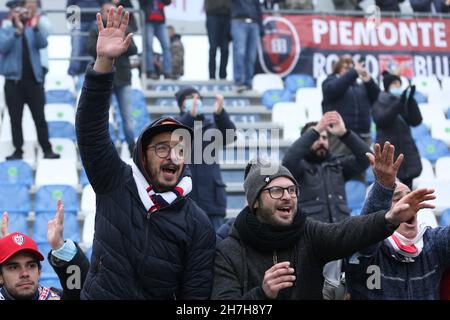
(406, 249)
(153, 201)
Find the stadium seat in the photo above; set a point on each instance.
(439, 99)
(233, 176)
(443, 168)
(426, 174)
(89, 253)
(420, 97)
(267, 81)
(294, 82)
(60, 96)
(291, 116)
(16, 172)
(444, 221)
(432, 149)
(420, 132)
(61, 129)
(56, 171)
(83, 178)
(271, 97)
(88, 203)
(60, 112)
(64, 147)
(446, 84)
(59, 81)
(356, 194)
(88, 229)
(441, 130)
(48, 276)
(431, 114)
(427, 217)
(370, 178)
(311, 100)
(236, 201)
(45, 207)
(16, 200)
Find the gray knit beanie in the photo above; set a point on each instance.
(258, 174)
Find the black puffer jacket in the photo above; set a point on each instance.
(353, 101)
(322, 185)
(393, 120)
(168, 254)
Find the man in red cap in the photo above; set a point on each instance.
(20, 263)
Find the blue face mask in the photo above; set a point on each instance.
(189, 103)
(396, 91)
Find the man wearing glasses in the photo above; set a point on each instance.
(273, 252)
(151, 240)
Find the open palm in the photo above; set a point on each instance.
(111, 42)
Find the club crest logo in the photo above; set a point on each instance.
(280, 51)
(19, 239)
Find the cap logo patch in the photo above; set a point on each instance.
(266, 179)
(19, 240)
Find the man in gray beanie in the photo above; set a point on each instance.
(274, 253)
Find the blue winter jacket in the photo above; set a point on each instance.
(11, 50)
(164, 255)
(419, 280)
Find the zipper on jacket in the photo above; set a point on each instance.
(274, 257)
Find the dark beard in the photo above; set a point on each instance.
(312, 156)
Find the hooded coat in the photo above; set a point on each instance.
(167, 254)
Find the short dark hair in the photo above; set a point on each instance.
(307, 126)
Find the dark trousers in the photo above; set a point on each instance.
(218, 27)
(17, 93)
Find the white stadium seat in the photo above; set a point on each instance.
(266, 81)
(56, 171)
(292, 116)
(64, 147)
(59, 112)
(427, 173)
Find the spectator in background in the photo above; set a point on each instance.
(177, 52)
(351, 91)
(433, 6)
(298, 5)
(246, 31)
(272, 4)
(208, 189)
(122, 81)
(393, 113)
(273, 252)
(347, 5)
(132, 25)
(78, 41)
(322, 177)
(218, 27)
(151, 240)
(155, 26)
(44, 25)
(389, 5)
(412, 260)
(24, 76)
(20, 267)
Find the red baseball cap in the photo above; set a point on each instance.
(16, 242)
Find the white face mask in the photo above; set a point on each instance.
(396, 91)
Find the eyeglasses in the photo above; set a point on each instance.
(278, 192)
(163, 150)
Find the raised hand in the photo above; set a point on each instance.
(194, 109)
(111, 42)
(55, 228)
(336, 124)
(5, 222)
(383, 166)
(278, 277)
(408, 206)
(323, 123)
(218, 106)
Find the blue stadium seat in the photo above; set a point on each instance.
(45, 207)
(89, 253)
(138, 99)
(16, 172)
(370, 178)
(420, 132)
(356, 194)
(16, 200)
(432, 149)
(236, 176)
(83, 178)
(48, 276)
(112, 132)
(60, 96)
(420, 97)
(236, 201)
(50, 281)
(271, 97)
(444, 221)
(61, 129)
(294, 82)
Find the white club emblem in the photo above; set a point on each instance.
(19, 240)
(267, 179)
